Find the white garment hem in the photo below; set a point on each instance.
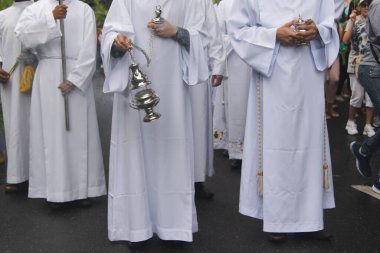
(175, 234)
(292, 227)
(233, 155)
(254, 213)
(146, 234)
(67, 196)
(328, 201)
(218, 144)
(131, 236)
(235, 150)
(16, 180)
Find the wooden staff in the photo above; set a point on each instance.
(64, 71)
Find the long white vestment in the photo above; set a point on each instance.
(16, 105)
(64, 165)
(293, 113)
(151, 187)
(232, 96)
(201, 94)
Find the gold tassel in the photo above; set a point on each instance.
(260, 175)
(326, 183)
(27, 79)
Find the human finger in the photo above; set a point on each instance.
(4, 73)
(4, 79)
(308, 35)
(290, 23)
(152, 25)
(123, 43)
(4, 76)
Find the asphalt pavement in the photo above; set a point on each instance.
(30, 226)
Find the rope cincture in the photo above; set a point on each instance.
(260, 172)
(326, 181)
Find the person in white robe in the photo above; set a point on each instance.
(201, 99)
(151, 183)
(286, 173)
(15, 104)
(64, 165)
(232, 98)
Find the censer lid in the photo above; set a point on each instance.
(145, 94)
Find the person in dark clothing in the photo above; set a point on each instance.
(369, 76)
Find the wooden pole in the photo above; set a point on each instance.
(64, 71)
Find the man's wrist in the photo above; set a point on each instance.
(175, 31)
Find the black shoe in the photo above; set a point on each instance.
(225, 153)
(136, 245)
(174, 243)
(11, 188)
(320, 235)
(362, 162)
(277, 237)
(200, 192)
(55, 205)
(85, 203)
(16, 188)
(235, 164)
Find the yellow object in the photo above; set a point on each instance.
(27, 79)
(326, 183)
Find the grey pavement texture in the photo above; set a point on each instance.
(30, 226)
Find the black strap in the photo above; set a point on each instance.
(374, 53)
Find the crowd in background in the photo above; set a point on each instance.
(343, 82)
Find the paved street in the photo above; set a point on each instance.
(30, 226)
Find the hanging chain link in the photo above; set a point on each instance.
(151, 45)
(147, 56)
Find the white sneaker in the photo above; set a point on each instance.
(369, 130)
(351, 128)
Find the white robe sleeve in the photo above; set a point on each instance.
(195, 67)
(326, 48)
(84, 68)
(36, 27)
(216, 50)
(255, 44)
(117, 21)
